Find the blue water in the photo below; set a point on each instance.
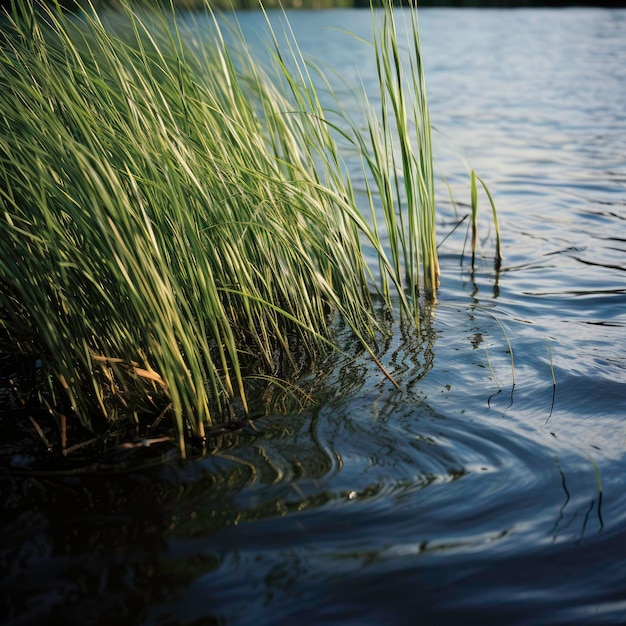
(491, 487)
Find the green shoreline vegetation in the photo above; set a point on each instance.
(176, 222)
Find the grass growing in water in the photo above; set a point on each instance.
(176, 217)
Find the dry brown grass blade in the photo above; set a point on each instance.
(133, 367)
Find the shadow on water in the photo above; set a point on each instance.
(380, 503)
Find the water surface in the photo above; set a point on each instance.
(480, 491)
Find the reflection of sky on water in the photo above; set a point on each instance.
(534, 101)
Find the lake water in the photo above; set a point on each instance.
(481, 492)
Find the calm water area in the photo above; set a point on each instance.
(490, 488)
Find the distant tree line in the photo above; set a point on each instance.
(516, 3)
(321, 4)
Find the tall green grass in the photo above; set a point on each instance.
(176, 217)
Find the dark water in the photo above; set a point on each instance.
(481, 492)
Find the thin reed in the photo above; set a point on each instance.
(176, 217)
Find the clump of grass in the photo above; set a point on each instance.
(175, 217)
(474, 214)
(397, 157)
